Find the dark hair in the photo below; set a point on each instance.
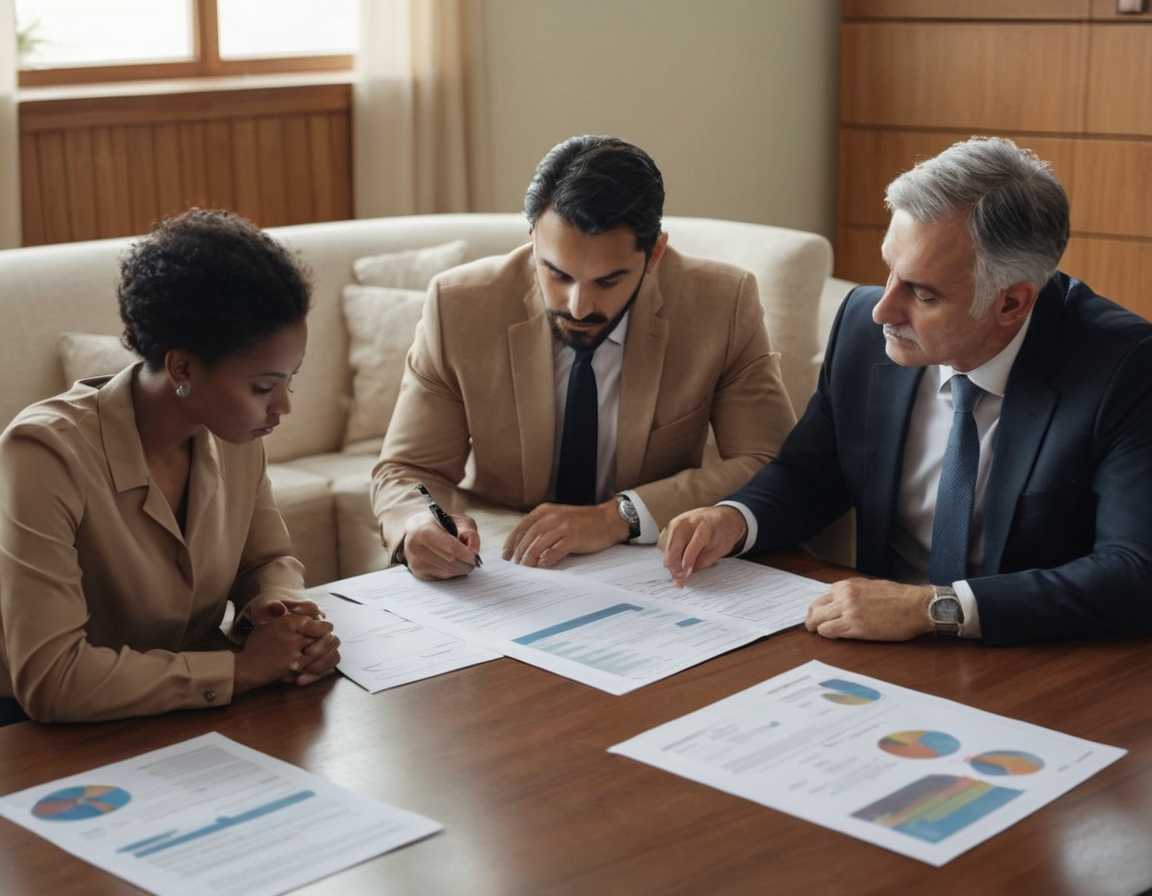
(599, 183)
(208, 282)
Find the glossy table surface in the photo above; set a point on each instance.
(512, 761)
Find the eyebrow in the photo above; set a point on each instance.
(617, 273)
(911, 284)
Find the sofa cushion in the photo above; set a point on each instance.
(305, 502)
(92, 354)
(381, 323)
(410, 268)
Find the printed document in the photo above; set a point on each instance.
(211, 817)
(380, 650)
(599, 634)
(919, 775)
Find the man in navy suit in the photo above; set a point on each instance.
(1058, 541)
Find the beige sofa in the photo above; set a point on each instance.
(59, 310)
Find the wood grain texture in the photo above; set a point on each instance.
(111, 166)
(1120, 269)
(1119, 100)
(512, 760)
(982, 77)
(969, 9)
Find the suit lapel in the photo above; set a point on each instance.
(530, 347)
(640, 376)
(891, 393)
(1029, 403)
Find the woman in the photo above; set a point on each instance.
(133, 507)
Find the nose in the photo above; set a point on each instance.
(887, 310)
(579, 301)
(281, 403)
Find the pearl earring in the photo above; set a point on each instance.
(183, 389)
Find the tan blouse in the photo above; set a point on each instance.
(107, 609)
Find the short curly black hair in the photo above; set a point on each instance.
(208, 282)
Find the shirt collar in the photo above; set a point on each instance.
(992, 375)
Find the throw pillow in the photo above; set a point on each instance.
(411, 268)
(91, 354)
(381, 324)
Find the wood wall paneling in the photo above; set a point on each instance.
(32, 203)
(996, 77)
(1113, 187)
(1119, 98)
(112, 166)
(1116, 268)
(858, 254)
(967, 9)
(917, 74)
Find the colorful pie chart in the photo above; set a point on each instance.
(919, 744)
(80, 803)
(1006, 762)
(848, 693)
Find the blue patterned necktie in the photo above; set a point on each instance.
(576, 473)
(952, 522)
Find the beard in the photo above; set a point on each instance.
(589, 340)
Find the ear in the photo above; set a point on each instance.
(1016, 303)
(657, 251)
(178, 366)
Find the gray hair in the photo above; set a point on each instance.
(1016, 209)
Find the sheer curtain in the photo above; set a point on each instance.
(9, 135)
(411, 109)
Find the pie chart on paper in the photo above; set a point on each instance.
(1006, 762)
(919, 744)
(80, 803)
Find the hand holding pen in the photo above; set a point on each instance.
(443, 519)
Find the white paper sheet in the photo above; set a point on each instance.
(771, 598)
(585, 630)
(211, 817)
(380, 650)
(925, 777)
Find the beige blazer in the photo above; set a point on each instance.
(107, 609)
(480, 382)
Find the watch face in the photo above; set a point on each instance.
(945, 609)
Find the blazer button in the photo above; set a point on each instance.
(209, 695)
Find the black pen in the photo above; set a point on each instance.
(446, 522)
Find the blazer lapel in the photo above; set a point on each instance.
(891, 393)
(533, 386)
(640, 377)
(1029, 403)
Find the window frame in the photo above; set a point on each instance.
(206, 64)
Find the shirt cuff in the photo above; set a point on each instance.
(749, 521)
(970, 627)
(649, 530)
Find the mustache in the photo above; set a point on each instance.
(907, 334)
(590, 319)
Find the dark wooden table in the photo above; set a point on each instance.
(512, 760)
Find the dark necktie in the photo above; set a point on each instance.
(576, 475)
(952, 522)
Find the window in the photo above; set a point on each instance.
(79, 41)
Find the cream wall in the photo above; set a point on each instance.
(734, 99)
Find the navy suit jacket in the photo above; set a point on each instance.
(1068, 518)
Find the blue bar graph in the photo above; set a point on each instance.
(562, 627)
(152, 845)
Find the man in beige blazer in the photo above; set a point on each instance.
(490, 411)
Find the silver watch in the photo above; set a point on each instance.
(629, 514)
(945, 611)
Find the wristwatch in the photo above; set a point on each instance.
(945, 611)
(629, 514)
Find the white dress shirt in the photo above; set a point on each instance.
(607, 363)
(928, 431)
